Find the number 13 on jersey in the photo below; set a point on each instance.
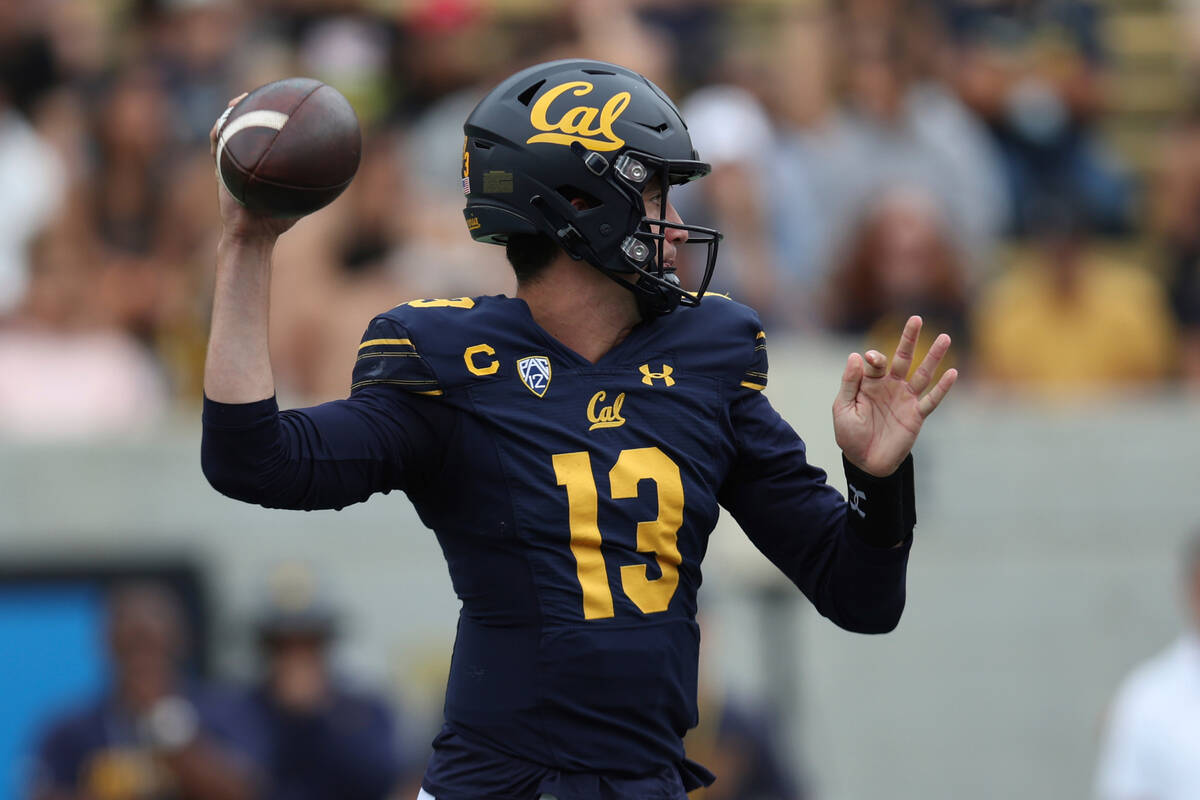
(657, 536)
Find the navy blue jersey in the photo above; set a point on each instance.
(573, 502)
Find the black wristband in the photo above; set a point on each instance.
(882, 511)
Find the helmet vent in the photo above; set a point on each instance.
(480, 144)
(659, 128)
(598, 72)
(526, 96)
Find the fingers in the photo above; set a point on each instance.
(937, 394)
(212, 134)
(902, 360)
(929, 364)
(851, 379)
(874, 364)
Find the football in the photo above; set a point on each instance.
(288, 148)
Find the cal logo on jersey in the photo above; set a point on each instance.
(605, 416)
(535, 373)
(580, 123)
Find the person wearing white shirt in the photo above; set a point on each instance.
(1151, 749)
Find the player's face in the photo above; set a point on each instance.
(655, 209)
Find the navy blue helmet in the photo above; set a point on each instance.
(579, 130)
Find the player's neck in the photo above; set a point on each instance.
(580, 307)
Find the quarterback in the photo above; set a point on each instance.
(570, 446)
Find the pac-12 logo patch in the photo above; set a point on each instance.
(535, 373)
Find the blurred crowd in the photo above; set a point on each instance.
(872, 159)
(301, 731)
(302, 728)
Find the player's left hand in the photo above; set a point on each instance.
(878, 412)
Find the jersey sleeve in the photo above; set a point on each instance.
(734, 343)
(388, 357)
(388, 434)
(849, 559)
(326, 456)
(755, 375)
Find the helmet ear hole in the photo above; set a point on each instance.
(574, 193)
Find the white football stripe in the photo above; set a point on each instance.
(251, 119)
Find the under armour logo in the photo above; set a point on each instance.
(649, 377)
(855, 498)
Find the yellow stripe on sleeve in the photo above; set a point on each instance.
(756, 386)
(374, 342)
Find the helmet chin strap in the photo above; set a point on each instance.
(652, 300)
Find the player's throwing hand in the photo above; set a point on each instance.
(878, 412)
(240, 222)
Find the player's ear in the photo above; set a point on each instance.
(580, 204)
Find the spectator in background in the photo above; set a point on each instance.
(613, 31)
(731, 130)
(319, 739)
(154, 735)
(1175, 221)
(133, 138)
(194, 49)
(66, 370)
(698, 31)
(898, 127)
(1151, 748)
(742, 747)
(1072, 320)
(742, 743)
(453, 51)
(31, 185)
(32, 174)
(799, 94)
(901, 260)
(144, 282)
(1034, 70)
(351, 50)
(1187, 18)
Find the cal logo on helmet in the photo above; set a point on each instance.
(535, 373)
(591, 126)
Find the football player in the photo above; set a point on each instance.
(570, 446)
